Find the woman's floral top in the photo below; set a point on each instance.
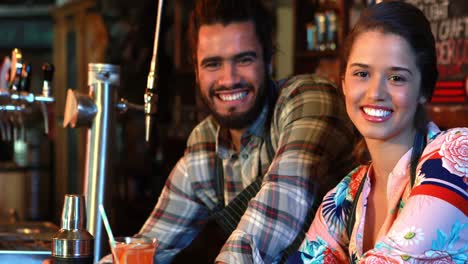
(424, 224)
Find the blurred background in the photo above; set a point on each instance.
(38, 169)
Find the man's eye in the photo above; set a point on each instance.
(245, 61)
(211, 65)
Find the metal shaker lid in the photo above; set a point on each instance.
(73, 240)
(73, 212)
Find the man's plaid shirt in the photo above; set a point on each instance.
(313, 139)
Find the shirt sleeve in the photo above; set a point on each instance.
(327, 240)
(311, 130)
(177, 216)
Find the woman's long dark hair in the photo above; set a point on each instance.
(408, 22)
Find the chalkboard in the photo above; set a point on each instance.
(449, 22)
(26, 33)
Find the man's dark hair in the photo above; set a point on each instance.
(208, 12)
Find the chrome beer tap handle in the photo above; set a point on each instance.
(24, 89)
(151, 97)
(20, 129)
(14, 125)
(4, 68)
(8, 128)
(48, 74)
(25, 85)
(2, 127)
(16, 69)
(45, 117)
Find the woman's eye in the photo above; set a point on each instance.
(361, 74)
(396, 78)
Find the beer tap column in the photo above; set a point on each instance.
(97, 111)
(103, 82)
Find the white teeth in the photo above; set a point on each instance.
(232, 97)
(376, 112)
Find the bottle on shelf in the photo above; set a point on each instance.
(322, 31)
(332, 30)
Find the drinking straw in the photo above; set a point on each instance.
(109, 231)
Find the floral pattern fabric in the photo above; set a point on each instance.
(424, 224)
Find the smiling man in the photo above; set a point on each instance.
(267, 153)
(231, 73)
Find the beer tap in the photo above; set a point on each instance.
(25, 82)
(14, 125)
(25, 87)
(48, 74)
(4, 68)
(24, 100)
(16, 69)
(16, 72)
(97, 112)
(3, 126)
(17, 101)
(4, 96)
(151, 95)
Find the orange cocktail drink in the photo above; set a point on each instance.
(131, 250)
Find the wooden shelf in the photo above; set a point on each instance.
(315, 54)
(328, 5)
(305, 60)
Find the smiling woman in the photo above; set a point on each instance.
(382, 88)
(409, 168)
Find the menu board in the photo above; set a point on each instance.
(449, 22)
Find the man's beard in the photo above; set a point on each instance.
(237, 120)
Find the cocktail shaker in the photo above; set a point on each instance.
(73, 243)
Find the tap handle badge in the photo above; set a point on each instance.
(26, 78)
(16, 69)
(48, 74)
(48, 71)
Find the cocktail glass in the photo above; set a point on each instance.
(134, 250)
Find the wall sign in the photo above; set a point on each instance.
(449, 22)
(26, 33)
